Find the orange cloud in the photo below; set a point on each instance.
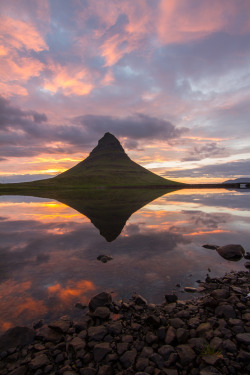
(72, 290)
(183, 21)
(68, 81)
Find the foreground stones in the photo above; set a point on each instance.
(209, 335)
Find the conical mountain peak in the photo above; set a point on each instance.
(108, 143)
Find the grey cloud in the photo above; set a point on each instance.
(138, 126)
(25, 133)
(230, 169)
(209, 150)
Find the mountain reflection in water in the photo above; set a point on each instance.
(49, 248)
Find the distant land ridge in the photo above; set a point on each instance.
(238, 180)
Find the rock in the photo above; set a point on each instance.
(139, 300)
(247, 255)
(220, 294)
(189, 289)
(81, 306)
(83, 323)
(97, 333)
(182, 335)
(16, 336)
(211, 247)
(77, 344)
(210, 370)
(150, 338)
(104, 258)
(101, 350)
(176, 323)
(61, 325)
(226, 311)
(105, 370)
(216, 343)
(22, 370)
(147, 352)
(165, 351)
(231, 252)
(197, 343)
(247, 265)
(141, 364)
(211, 360)
(170, 298)
(39, 361)
(229, 346)
(186, 354)
(100, 300)
(170, 337)
(48, 334)
(153, 321)
(128, 358)
(121, 347)
(203, 327)
(158, 360)
(115, 328)
(243, 338)
(88, 371)
(102, 313)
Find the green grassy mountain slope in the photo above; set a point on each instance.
(109, 166)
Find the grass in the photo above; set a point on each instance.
(209, 350)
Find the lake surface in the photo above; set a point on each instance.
(49, 249)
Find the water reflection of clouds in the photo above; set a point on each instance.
(54, 262)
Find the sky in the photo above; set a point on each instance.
(169, 78)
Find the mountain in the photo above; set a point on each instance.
(107, 166)
(241, 180)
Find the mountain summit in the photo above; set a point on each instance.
(109, 166)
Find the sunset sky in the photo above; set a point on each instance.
(169, 78)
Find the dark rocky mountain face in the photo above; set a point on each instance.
(107, 144)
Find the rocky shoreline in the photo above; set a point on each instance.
(209, 335)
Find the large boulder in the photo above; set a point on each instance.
(231, 252)
(100, 300)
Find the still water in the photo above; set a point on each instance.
(49, 247)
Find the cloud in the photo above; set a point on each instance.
(233, 169)
(137, 127)
(209, 150)
(29, 133)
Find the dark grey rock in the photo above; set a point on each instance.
(153, 321)
(128, 358)
(231, 252)
(100, 300)
(182, 335)
(115, 328)
(165, 351)
(16, 336)
(158, 360)
(170, 337)
(61, 325)
(105, 370)
(102, 313)
(88, 371)
(104, 258)
(139, 300)
(186, 354)
(77, 344)
(150, 338)
(176, 322)
(127, 338)
(97, 333)
(190, 289)
(211, 247)
(147, 352)
(141, 364)
(226, 311)
(197, 343)
(101, 350)
(243, 338)
(121, 347)
(211, 360)
(210, 370)
(170, 298)
(229, 346)
(22, 370)
(220, 294)
(40, 360)
(48, 334)
(216, 343)
(202, 328)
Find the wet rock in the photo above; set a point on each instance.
(211, 247)
(229, 346)
(97, 333)
(141, 364)
(170, 298)
(102, 313)
(139, 300)
(189, 289)
(211, 360)
(105, 370)
(226, 311)
(62, 325)
(247, 265)
(104, 258)
(231, 252)
(15, 337)
(101, 350)
(220, 294)
(176, 322)
(243, 338)
(210, 370)
(100, 300)
(203, 327)
(170, 337)
(186, 354)
(40, 360)
(88, 371)
(48, 334)
(77, 344)
(165, 351)
(247, 255)
(22, 370)
(128, 358)
(115, 328)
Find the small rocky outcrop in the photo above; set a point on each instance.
(231, 252)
